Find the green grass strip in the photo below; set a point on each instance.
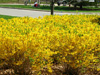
(7, 17)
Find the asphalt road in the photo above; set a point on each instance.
(32, 13)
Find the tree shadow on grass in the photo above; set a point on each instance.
(64, 8)
(77, 8)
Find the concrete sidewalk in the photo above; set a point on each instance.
(30, 13)
(33, 13)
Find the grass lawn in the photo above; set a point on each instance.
(56, 8)
(6, 16)
(6, 1)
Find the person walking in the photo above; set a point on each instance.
(35, 4)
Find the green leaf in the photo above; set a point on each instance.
(80, 61)
(84, 53)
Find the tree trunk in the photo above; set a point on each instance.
(52, 7)
(80, 6)
(96, 4)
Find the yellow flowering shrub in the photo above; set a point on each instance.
(34, 42)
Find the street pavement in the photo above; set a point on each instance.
(33, 13)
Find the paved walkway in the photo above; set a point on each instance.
(33, 13)
(22, 12)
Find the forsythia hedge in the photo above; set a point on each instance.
(34, 42)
